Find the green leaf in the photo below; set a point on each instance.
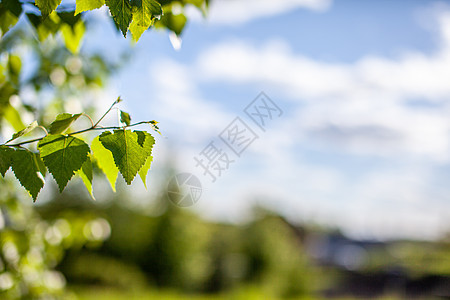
(175, 23)
(73, 30)
(85, 5)
(136, 31)
(125, 118)
(14, 66)
(24, 131)
(45, 26)
(47, 6)
(14, 6)
(144, 14)
(122, 13)
(63, 155)
(6, 154)
(128, 149)
(145, 11)
(105, 162)
(144, 170)
(148, 144)
(26, 169)
(154, 126)
(7, 19)
(13, 117)
(41, 165)
(62, 122)
(86, 175)
(69, 18)
(73, 37)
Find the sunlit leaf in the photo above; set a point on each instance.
(136, 31)
(122, 13)
(125, 118)
(13, 117)
(47, 6)
(7, 19)
(73, 30)
(62, 123)
(26, 170)
(86, 175)
(6, 154)
(44, 26)
(128, 150)
(69, 18)
(105, 161)
(63, 155)
(175, 23)
(144, 11)
(85, 5)
(14, 66)
(24, 131)
(148, 144)
(41, 165)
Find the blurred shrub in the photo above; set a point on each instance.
(276, 258)
(179, 250)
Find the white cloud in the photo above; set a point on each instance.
(412, 75)
(361, 108)
(187, 120)
(358, 105)
(180, 105)
(236, 12)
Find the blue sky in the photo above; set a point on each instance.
(363, 143)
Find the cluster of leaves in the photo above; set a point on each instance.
(63, 155)
(9, 84)
(57, 75)
(135, 16)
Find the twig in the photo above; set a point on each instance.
(79, 132)
(109, 109)
(93, 127)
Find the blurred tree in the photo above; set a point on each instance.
(31, 247)
(178, 250)
(276, 257)
(43, 72)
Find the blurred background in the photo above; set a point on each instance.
(341, 193)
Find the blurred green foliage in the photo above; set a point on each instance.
(178, 255)
(30, 247)
(179, 250)
(111, 251)
(39, 79)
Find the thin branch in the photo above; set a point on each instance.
(109, 109)
(93, 127)
(90, 119)
(107, 128)
(26, 142)
(79, 132)
(41, 127)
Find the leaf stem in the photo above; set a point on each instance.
(93, 127)
(18, 144)
(79, 132)
(26, 142)
(90, 119)
(107, 128)
(109, 109)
